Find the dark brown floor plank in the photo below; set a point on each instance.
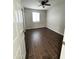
(43, 43)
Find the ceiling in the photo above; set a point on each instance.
(34, 4)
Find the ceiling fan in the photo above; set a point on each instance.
(44, 3)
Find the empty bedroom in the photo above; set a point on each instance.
(43, 28)
(44, 25)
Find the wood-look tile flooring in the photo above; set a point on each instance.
(43, 43)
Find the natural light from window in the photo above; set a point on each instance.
(36, 17)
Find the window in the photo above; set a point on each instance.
(36, 16)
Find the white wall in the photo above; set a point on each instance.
(56, 17)
(29, 24)
(18, 35)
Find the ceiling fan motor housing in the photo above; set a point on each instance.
(43, 2)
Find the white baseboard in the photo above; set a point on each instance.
(56, 31)
(36, 27)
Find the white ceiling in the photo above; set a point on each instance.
(34, 4)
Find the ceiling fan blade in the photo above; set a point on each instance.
(48, 4)
(46, 1)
